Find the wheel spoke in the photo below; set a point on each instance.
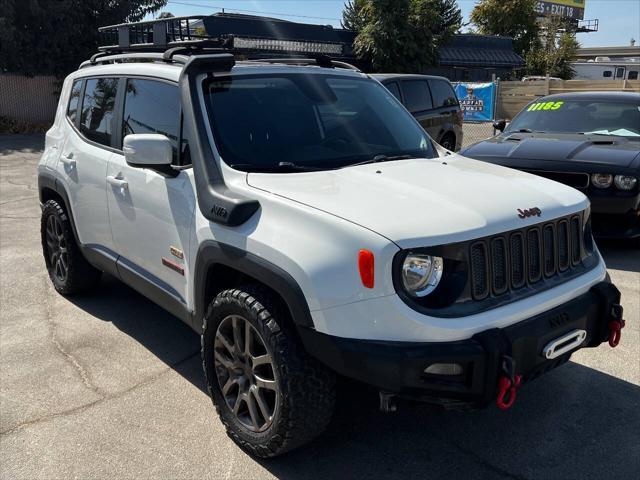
(268, 384)
(223, 340)
(236, 406)
(63, 261)
(253, 411)
(227, 386)
(261, 360)
(58, 268)
(237, 335)
(262, 404)
(228, 364)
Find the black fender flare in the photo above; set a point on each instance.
(48, 180)
(212, 253)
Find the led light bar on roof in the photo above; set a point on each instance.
(275, 45)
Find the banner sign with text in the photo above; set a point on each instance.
(563, 8)
(476, 100)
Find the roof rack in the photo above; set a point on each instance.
(254, 39)
(243, 35)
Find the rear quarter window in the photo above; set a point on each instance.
(443, 94)
(74, 101)
(97, 110)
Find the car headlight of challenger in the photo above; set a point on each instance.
(625, 182)
(601, 180)
(421, 274)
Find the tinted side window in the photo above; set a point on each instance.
(74, 99)
(152, 107)
(416, 95)
(607, 73)
(394, 89)
(97, 109)
(443, 94)
(633, 75)
(620, 72)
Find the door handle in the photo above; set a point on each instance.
(68, 160)
(118, 182)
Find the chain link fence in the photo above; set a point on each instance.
(473, 132)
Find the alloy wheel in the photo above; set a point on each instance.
(57, 248)
(245, 372)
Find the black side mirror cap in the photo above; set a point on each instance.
(500, 125)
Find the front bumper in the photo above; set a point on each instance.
(398, 367)
(615, 215)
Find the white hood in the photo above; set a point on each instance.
(422, 202)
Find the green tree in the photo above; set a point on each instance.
(554, 52)
(509, 18)
(401, 35)
(352, 15)
(55, 36)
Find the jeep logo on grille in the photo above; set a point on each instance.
(529, 212)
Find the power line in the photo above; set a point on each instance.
(250, 11)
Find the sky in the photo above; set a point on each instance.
(619, 19)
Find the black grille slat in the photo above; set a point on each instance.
(575, 240)
(499, 265)
(563, 245)
(549, 250)
(517, 261)
(527, 256)
(479, 271)
(533, 255)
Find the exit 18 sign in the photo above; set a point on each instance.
(563, 8)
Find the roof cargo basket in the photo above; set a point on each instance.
(239, 34)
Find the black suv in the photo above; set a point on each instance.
(432, 101)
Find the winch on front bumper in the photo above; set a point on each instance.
(484, 368)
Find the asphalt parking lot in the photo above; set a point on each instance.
(110, 386)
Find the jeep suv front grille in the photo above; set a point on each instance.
(529, 256)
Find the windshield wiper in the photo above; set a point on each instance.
(279, 168)
(381, 158)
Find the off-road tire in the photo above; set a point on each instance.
(80, 275)
(306, 387)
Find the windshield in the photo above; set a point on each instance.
(579, 116)
(309, 122)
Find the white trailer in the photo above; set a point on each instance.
(604, 68)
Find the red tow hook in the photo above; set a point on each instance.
(508, 384)
(615, 325)
(615, 332)
(507, 391)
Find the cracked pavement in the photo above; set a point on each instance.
(108, 385)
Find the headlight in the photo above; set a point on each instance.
(625, 182)
(601, 180)
(421, 274)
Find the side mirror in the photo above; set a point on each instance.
(500, 125)
(149, 150)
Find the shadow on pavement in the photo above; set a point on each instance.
(620, 254)
(574, 422)
(15, 143)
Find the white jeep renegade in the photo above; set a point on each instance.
(300, 219)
